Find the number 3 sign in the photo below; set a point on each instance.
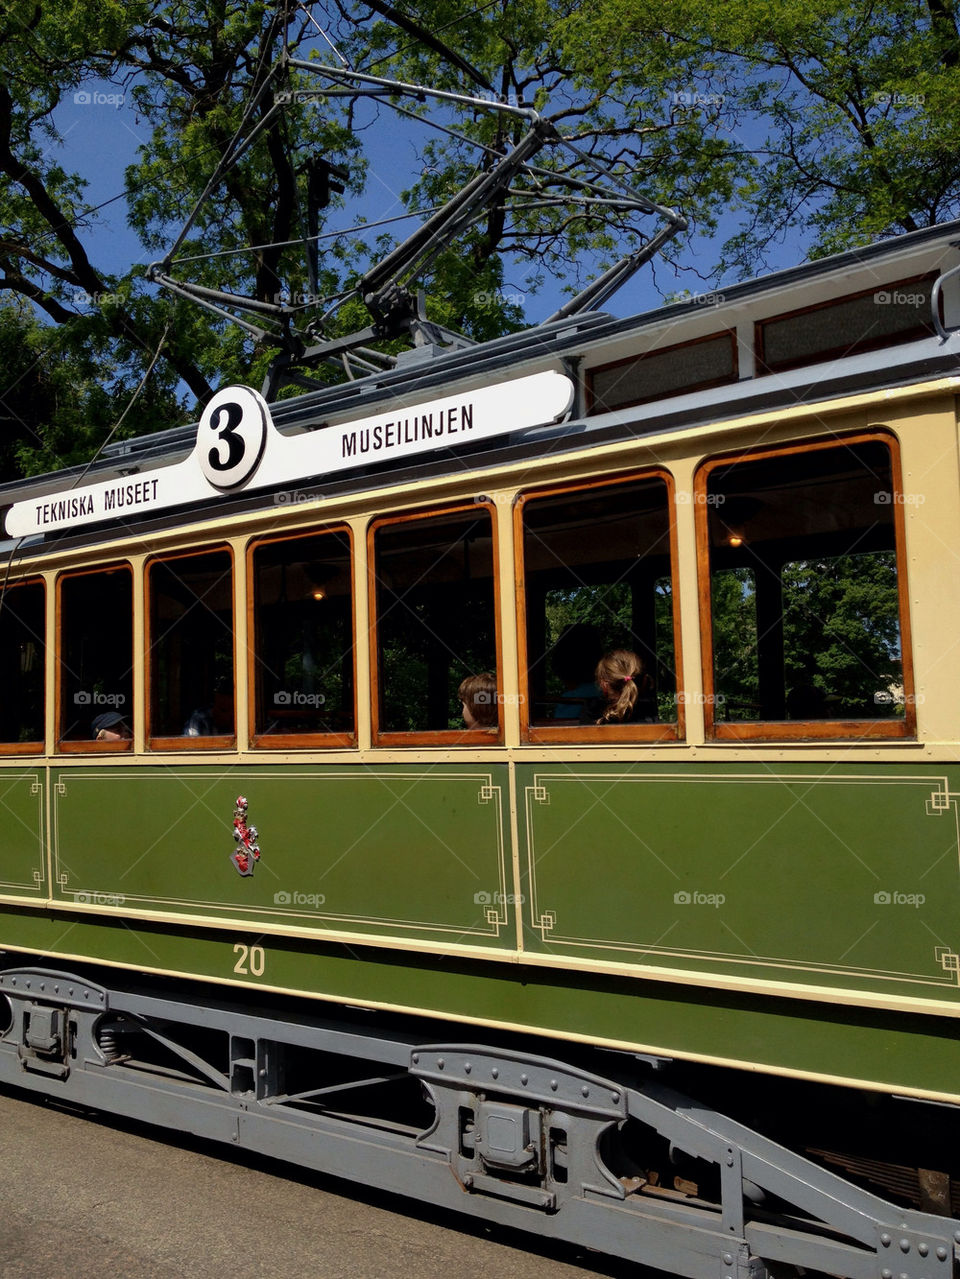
(232, 435)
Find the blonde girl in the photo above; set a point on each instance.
(621, 677)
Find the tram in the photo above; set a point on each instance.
(684, 988)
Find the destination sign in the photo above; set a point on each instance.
(238, 448)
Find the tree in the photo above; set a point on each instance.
(832, 123)
(829, 123)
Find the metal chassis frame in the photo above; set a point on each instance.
(516, 1138)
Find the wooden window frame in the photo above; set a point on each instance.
(689, 388)
(605, 734)
(295, 741)
(218, 742)
(91, 747)
(851, 730)
(446, 736)
(38, 747)
(835, 352)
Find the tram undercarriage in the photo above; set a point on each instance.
(619, 1164)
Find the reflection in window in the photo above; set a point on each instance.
(435, 617)
(304, 635)
(96, 654)
(804, 591)
(22, 652)
(597, 578)
(191, 640)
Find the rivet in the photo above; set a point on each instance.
(584, 1091)
(43, 985)
(904, 1245)
(440, 1063)
(56, 990)
(886, 1274)
(524, 1079)
(416, 1059)
(885, 1240)
(922, 1249)
(495, 1072)
(956, 1235)
(554, 1085)
(467, 1068)
(27, 984)
(615, 1097)
(941, 1253)
(727, 1259)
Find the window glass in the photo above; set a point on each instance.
(96, 656)
(660, 373)
(894, 313)
(22, 651)
(436, 619)
(191, 647)
(804, 587)
(303, 603)
(597, 580)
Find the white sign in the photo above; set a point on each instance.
(238, 447)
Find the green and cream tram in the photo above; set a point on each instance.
(259, 881)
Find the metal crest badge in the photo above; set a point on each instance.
(247, 854)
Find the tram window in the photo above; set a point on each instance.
(22, 650)
(191, 650)
(806, 635)
(597, 574)
(898, 312)
(435, 611)
(302, 670)
(670, 370)
(95, 658)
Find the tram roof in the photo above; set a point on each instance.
(931, 249)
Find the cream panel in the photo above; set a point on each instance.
(690, 678)
(930, 458)
(361, 613)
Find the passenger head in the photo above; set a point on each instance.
(619, 675)
(110, 726)
(478, 693)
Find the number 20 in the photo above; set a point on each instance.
(256, 957)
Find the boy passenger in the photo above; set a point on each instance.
(478, 697)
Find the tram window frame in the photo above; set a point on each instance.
(447, 736)
(661, 731)
(301, 741)
(89, 745)
(211, 742)
(36, 746)
(850, 729)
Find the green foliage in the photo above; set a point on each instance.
(842, 631)
(831, 122)
(841, 639)
(61, 396)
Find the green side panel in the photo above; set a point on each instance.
(828, 875)
(901, 1053)
(23, 867)
(414, 852)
